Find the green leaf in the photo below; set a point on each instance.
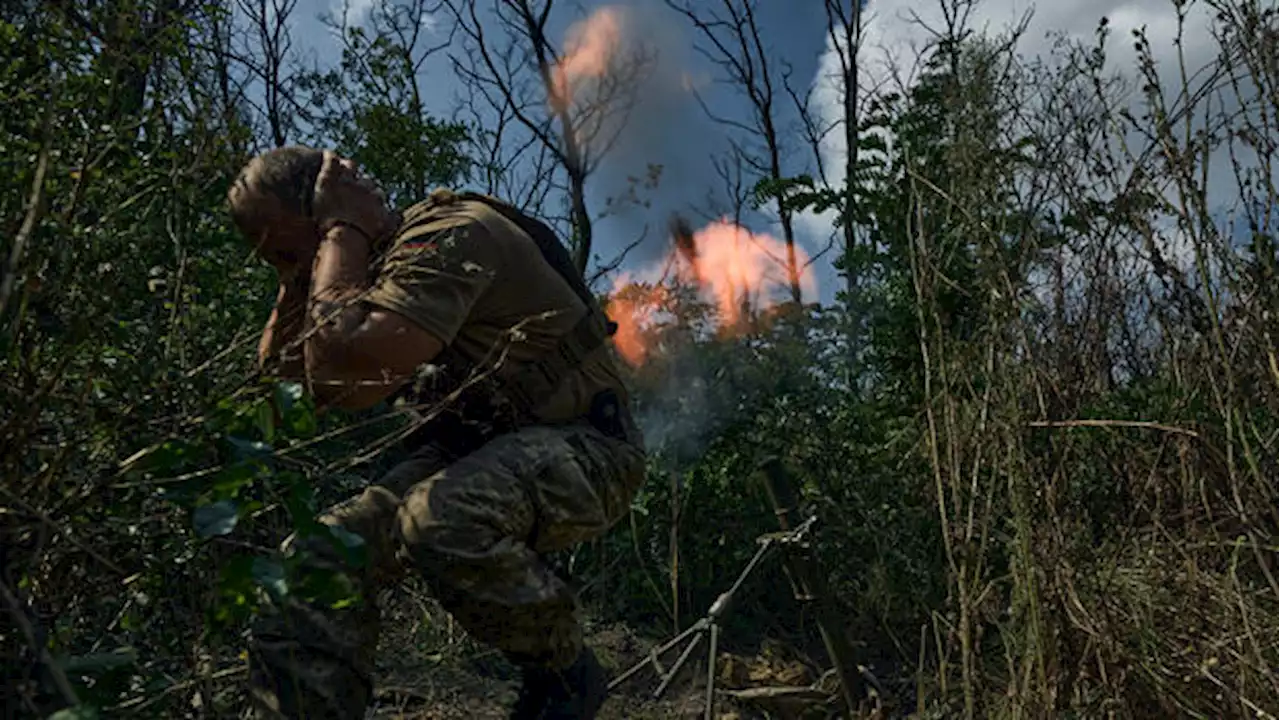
(298, 415)
(218, 518)
(270, 575)
(288, 393)
(235, 591)
(249, 449)
(300, 502)
(230, 479)
(351, 545)
(266, 421)
(172, 456)
(348, 539)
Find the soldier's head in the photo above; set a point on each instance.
(270, 203)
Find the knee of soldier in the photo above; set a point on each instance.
(462, 517)
(369, 516)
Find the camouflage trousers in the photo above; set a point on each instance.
(476, 528)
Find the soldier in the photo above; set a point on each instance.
(535, 451)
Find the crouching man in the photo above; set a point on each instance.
(455, 300)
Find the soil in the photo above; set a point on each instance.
(431, 671)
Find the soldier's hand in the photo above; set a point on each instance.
(344, 196)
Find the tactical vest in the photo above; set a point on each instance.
(462, 406)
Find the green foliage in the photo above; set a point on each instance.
(961, 528)
(1044, 485)
(370, 108)
(150, 470)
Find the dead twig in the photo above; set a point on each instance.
(1145, 424)
(53, 524)
(35, 208)
(29, 634)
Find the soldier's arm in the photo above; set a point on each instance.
(357, 354)
(277, 350)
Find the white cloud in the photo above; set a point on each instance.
(359, 12)
(895, 33)
(354, 12)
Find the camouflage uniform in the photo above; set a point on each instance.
(473, 516)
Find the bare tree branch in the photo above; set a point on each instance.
(521, 75)
(733, 42)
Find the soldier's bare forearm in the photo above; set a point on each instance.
(341, 275)
(356, 353)
(279, 349)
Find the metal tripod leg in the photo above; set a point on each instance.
(707, 624)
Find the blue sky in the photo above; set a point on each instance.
(669, 128)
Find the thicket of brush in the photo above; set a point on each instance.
(1039, 430)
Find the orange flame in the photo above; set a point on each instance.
(731, 267)
(589, 46)
(627, 339)
(634, 307)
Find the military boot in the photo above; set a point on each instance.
(574, 693)
(533, 696)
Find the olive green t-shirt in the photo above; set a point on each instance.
(468, 276)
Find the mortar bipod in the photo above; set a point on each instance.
(710, 623)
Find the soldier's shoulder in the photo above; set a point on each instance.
(445, 207)
(439, 212)
(440, 204)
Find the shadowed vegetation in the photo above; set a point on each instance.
(1038, 424)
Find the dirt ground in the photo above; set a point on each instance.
(431, 671)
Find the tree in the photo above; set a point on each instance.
(371, 107)
(573, 103)
(131, 36)
(822, 193)
(266, 54)
(733, 41)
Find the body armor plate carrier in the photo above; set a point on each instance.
(464, 405)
